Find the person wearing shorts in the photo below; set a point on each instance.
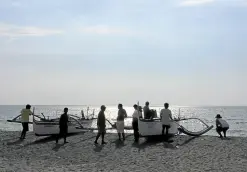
(166, 117)
(120, 121)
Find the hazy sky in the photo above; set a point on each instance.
(185, 52)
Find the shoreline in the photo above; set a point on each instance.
(184, 154)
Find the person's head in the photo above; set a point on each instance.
(166, 105)
(135, 107)
(218, 116)
(103, 108)
(120, 106)
(147, 103)
(28, 106)
(65, 110)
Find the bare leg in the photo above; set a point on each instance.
(224, 131)
(97, 137)
(163, 130)
(123, 136)
(219, 133)
(119, 136)
(103, 137)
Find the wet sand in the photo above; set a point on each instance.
(184, 154)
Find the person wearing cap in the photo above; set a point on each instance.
(166, 118)
(63, 126)
(25, 113)
(146, 111)
(135, 116)
(120, 121)
(101, 124)
(221, 125)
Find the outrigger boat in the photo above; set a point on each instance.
(43, 126)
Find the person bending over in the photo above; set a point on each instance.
(221, 125)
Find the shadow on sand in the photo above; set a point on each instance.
(98, 148)
(187, 141)
(150, 141)
(119, 144)
(57, 147)
(15, 142)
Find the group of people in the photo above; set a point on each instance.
(165, 115)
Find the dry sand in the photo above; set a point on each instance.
(185, 154)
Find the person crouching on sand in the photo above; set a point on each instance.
(120, 121)
(221, 125)
(25, 113)
(63, 126)
(101, 124)
(135, 117)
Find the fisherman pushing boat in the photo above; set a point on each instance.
(25, 113)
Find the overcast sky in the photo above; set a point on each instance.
(185, 52)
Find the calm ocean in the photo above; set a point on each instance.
(235, 116)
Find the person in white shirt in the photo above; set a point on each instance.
(137, 114)
(166, 118)
(120, 121)
(25, 113)
(221, 125)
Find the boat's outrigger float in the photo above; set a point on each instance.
(147, 127)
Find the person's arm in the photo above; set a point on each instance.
(125, 114)
(98, 120)
(218, 124)
(170, 114)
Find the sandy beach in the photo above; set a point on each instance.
(184, 154)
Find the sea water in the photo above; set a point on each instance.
(235, 116)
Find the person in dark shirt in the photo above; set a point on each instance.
(146, 111)
(63, 126)
(101, 124)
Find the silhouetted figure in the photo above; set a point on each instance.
(82, 115)
(146, 111)
(166, 118)
(221, 125)
(63, 126)
(120, 121)
(101, 124)
(25, 113)
(136, 115)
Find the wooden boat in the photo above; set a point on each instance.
(43, 126)
(51, 127)
(153, 127)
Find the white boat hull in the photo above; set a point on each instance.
(154, 128)
(43, 128)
